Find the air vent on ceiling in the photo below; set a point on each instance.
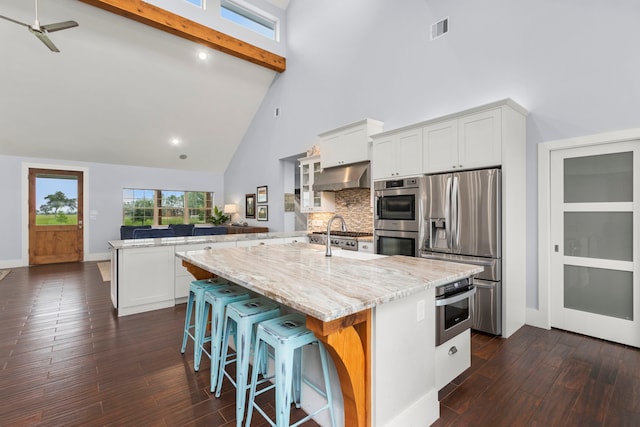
(440, 28)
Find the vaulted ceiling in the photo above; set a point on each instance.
(120, 91)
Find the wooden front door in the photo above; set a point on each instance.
(55, 216)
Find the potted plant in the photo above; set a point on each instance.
(218, 217)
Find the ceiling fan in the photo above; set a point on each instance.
(42, 31)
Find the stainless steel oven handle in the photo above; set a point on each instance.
(456, 298)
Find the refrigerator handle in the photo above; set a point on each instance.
(455, 220)
(447, 213)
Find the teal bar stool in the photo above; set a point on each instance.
(197, 289)
(244, 316)
(287, 335)
(216, 301)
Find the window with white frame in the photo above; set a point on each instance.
(250, 17)
(163, 207)
(199, 3)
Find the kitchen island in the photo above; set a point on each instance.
(146, 275)
(362, 310)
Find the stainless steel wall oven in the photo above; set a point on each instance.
(388, 242)
(398, 220)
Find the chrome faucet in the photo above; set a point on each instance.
(344, 228)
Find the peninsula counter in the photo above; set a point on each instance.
(146, 275)
(367, 312)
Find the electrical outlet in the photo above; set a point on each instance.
(316, 222)
(420, 310)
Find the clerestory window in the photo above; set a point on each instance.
(250, 17)
(199, 3)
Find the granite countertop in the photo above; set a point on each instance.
(300, 276)
(173, 241)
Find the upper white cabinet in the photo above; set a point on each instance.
(472, 141)
(313, 201)
(349, 143)
(397, 154)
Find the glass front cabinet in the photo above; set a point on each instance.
(311, 201)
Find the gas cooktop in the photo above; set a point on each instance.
(342, 239)
(345, 233)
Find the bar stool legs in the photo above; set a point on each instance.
(244, 315)
(287, 335)
(216, 301)
(197, 289)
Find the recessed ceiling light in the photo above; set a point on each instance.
(175, 141)
(182, 156)
(202, 55)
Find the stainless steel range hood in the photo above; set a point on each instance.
(355, 175)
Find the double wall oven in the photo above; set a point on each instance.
(398, 228)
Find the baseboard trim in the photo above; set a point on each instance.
(537, 318)
(12, 263)
(16, 263)
(98, 256)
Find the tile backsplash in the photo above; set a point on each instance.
(353, 205)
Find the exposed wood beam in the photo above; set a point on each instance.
(164, 20)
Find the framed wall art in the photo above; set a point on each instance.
(262, 193)
(263, 213)
(250, 205)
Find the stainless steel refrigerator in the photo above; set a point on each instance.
(463, 221)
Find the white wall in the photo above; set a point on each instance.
(104, 214)
(571, 64)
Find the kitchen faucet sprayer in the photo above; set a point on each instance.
(343, 228)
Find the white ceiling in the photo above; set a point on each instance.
(119, 91)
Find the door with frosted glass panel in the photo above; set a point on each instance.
(594, 227)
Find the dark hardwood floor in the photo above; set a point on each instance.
(66, 359)
(544, 378)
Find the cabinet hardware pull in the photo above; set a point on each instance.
(453, 350)
(207, 248)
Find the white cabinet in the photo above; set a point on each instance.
(366, 247)
(453, 358)
(312, 201)
(472, 141)
(397, 154)
(440, 146)
(348, 144)
(149, 276)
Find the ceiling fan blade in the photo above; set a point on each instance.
(50, 28)
(43, 37)
(14, 21)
